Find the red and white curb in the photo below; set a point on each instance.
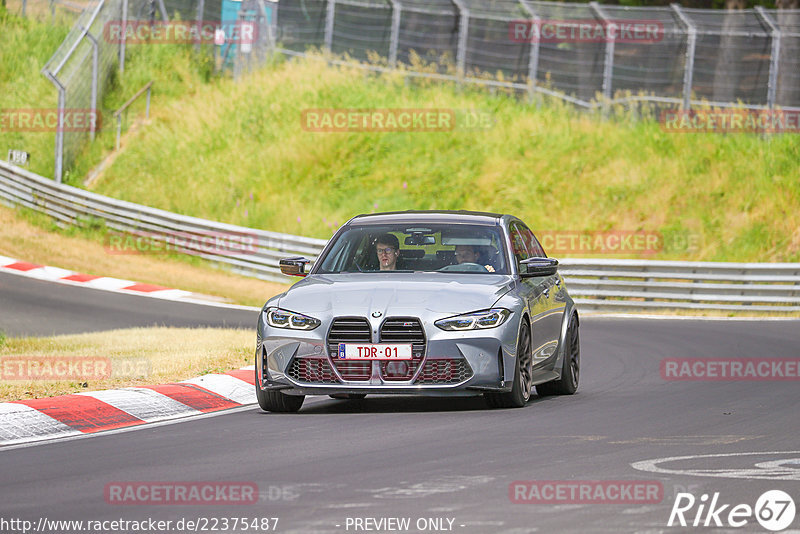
(105, 283)
(31, 420)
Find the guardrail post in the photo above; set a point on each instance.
(397, 10)
(608, 63)
(329, 16)
(533, 59)
(463, 32)
(691, 46)
(772, 85)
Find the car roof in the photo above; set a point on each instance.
(429, 216)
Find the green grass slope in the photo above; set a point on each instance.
(237, 152)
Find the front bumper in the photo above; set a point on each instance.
(452, 364)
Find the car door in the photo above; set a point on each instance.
(546, 310)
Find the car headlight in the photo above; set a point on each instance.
(475, 320)
(279, 318)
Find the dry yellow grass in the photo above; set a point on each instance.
(133, 357)
(25, 241)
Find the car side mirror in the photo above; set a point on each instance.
(294, 266)
(538, 267)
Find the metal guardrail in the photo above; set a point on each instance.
(600, 284)
(596, 284)
(73, 206)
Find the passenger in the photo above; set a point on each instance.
(388, 249)
(472, 254)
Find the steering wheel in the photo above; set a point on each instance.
(465, 268)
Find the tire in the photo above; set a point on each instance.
(348, 396)
(570, 367)
(275, 401)
(523, 372)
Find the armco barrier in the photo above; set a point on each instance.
(596, 284)
(599, 284)
(73, 206)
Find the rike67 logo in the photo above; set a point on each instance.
(774, 511)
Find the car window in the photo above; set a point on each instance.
(531, 243)
(456, 248)
(518, 245)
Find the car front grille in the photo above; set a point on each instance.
(349, 330)
(403, 330)
(445, 371)
(312, 370)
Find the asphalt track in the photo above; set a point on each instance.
(40, 308)
(434, 458)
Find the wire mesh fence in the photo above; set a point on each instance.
(588, 54)
(241, 32)
(585, 53)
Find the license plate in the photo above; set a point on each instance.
(378, 351)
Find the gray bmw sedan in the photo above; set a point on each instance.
(447, 303)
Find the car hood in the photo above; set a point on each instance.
(395, 294)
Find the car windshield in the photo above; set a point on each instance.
(451, 248)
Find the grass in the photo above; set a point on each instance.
(134, 357)
(236, 152)
(34, 238)
(27, 44)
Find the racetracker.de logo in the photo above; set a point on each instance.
(181, 493)
(725, 369)
(50, 120)
(585, 31)
(611, 242)
(378, 120)
(730, 121)
(48, 368)
(134, 32)
(586, 492)
(54, 368)
(167, 242)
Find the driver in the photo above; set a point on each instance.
(388, 249)
(470, 254)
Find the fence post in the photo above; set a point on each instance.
(608, 63)
(397, 11)
(163, 9)
(533, 59)
(124, 36)
(95, 76)
(201, 13)
(331, 13)
(691, 46)
(463, 31)
(772, 85)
